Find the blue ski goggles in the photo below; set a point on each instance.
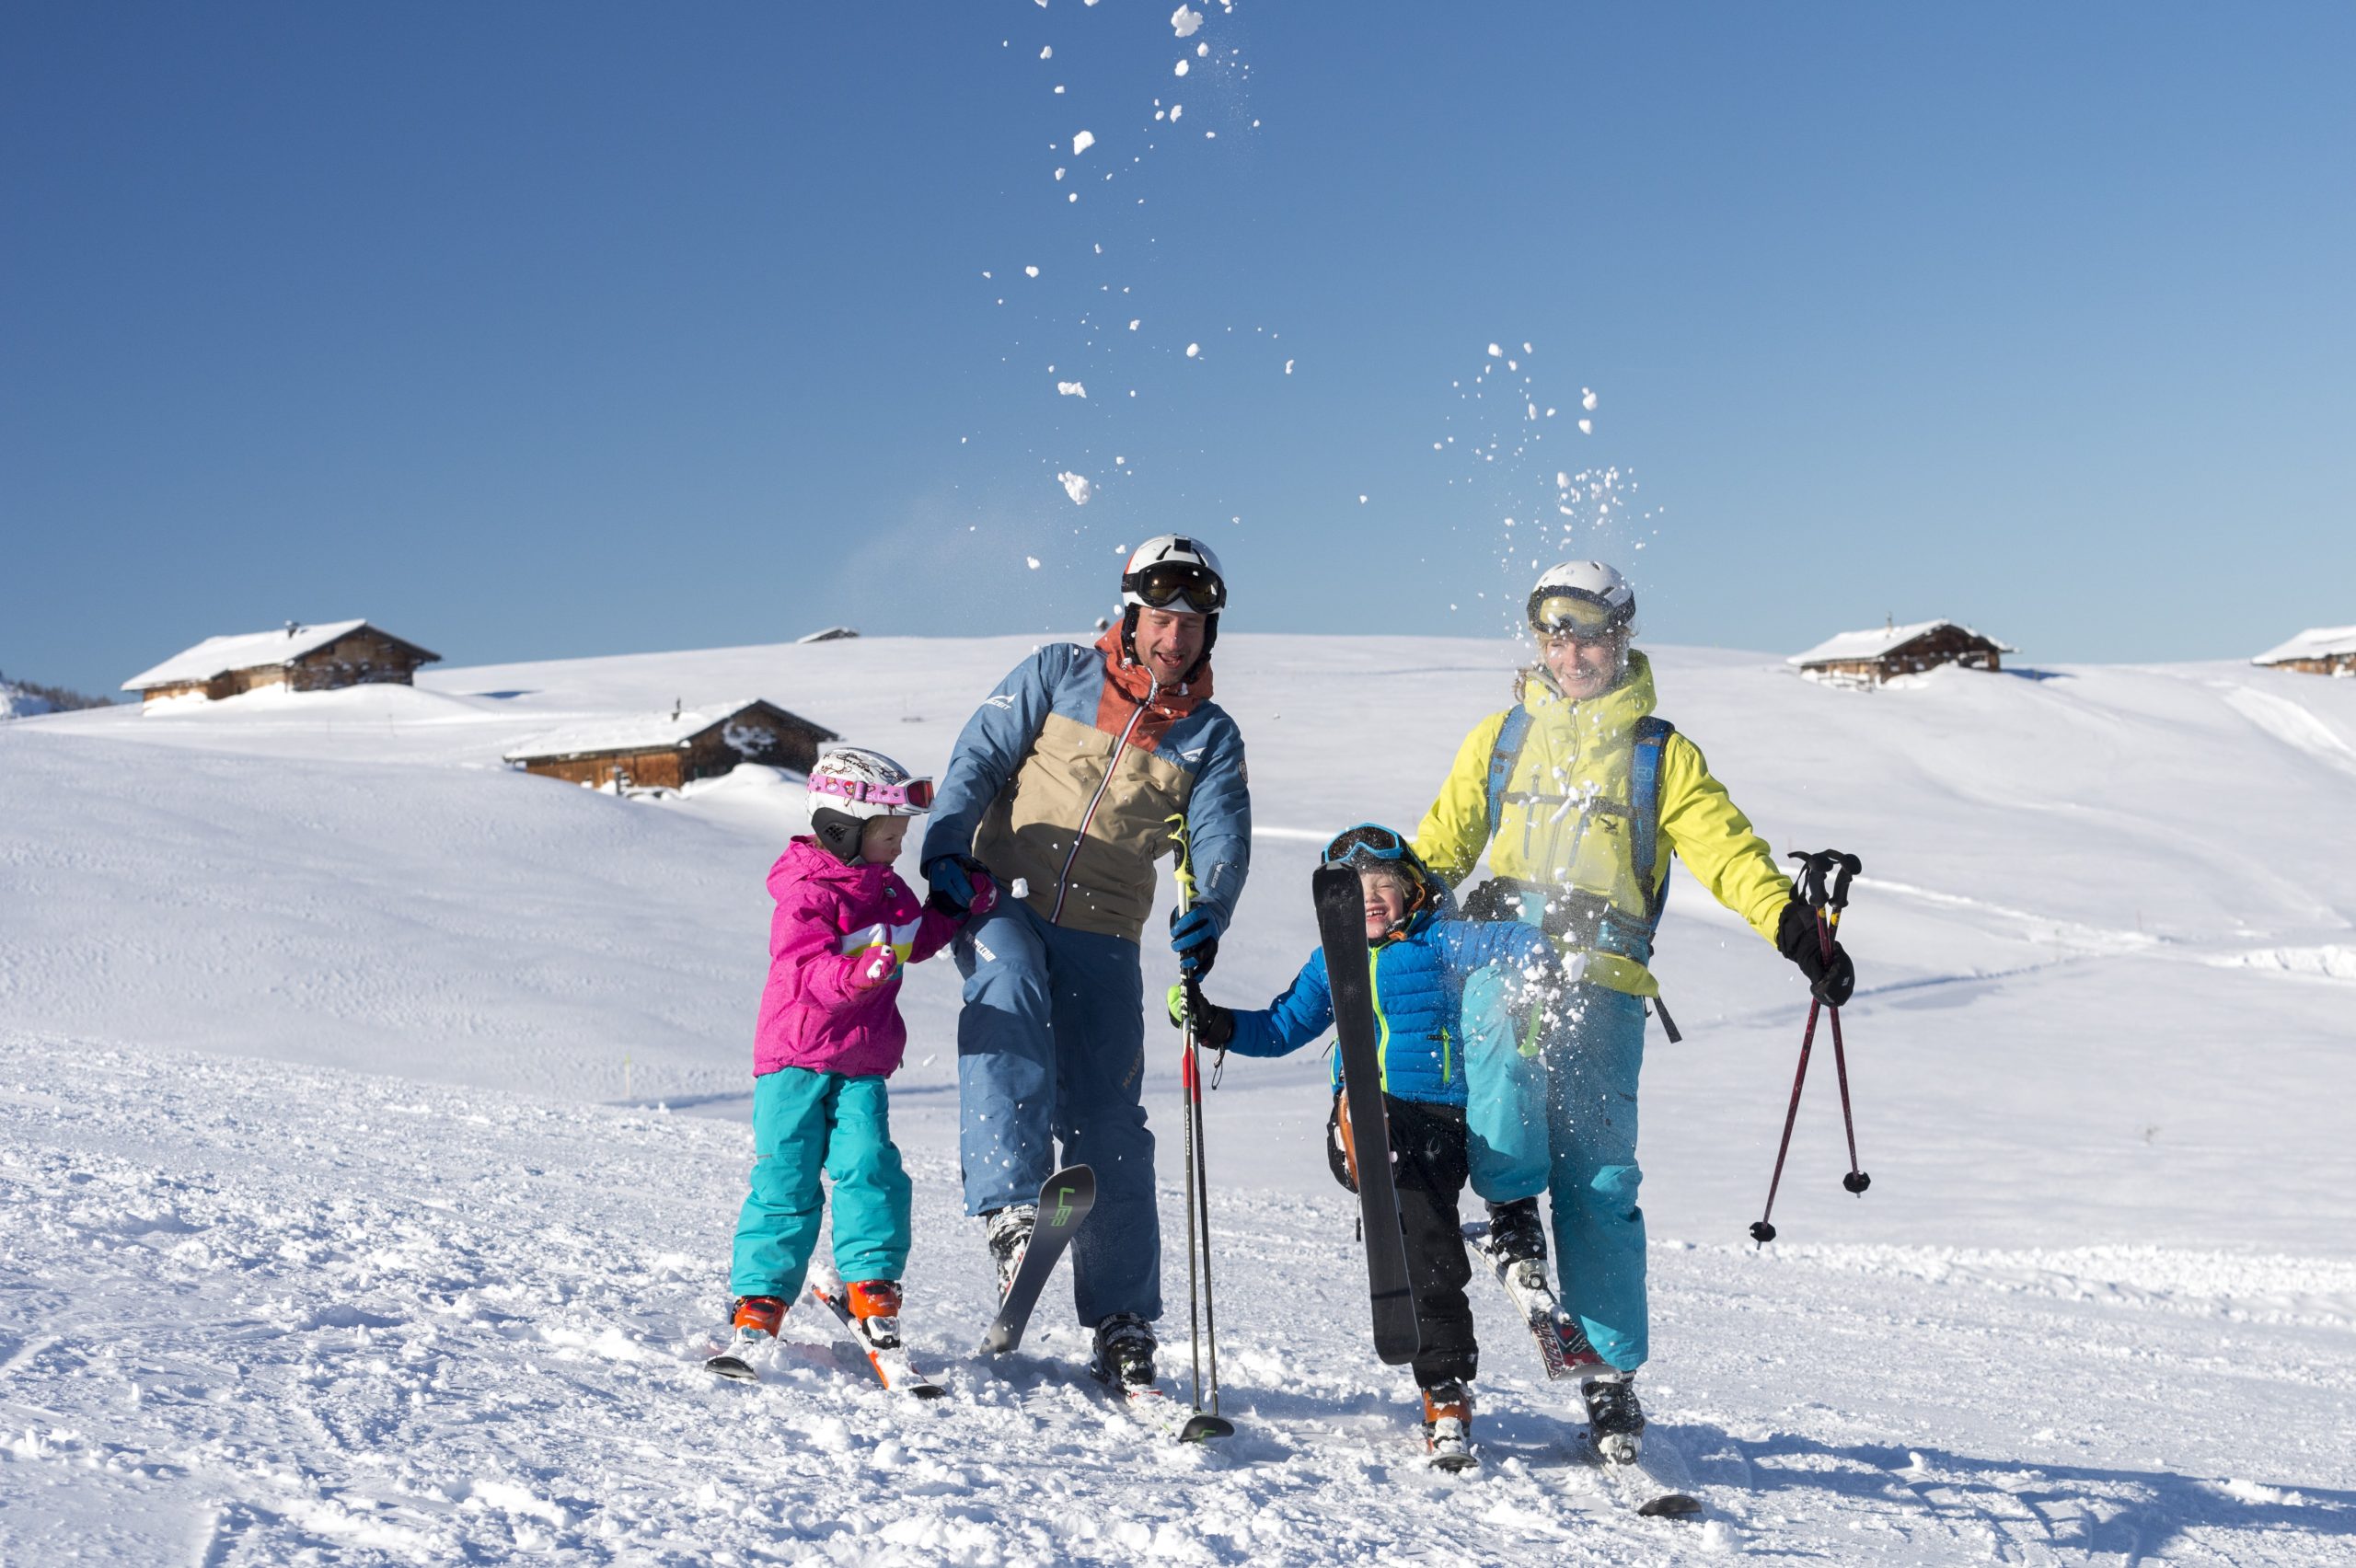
(1367, 841)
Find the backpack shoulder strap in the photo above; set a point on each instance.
(1502, 757)
(1652, 735)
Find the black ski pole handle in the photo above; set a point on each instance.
(1849, 867)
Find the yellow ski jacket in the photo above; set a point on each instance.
(1564, 820)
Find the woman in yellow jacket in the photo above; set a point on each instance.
(1574, 792)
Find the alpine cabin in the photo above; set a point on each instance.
(2318, 650)
(299, 657)
(666, 751)
(1869, 658)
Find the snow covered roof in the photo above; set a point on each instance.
(249, 651)
(642, 732)
(1878, 641)
(2316, 642)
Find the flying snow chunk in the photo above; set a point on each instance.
(1586, 400)
(1031, 561)
(1184, 22)
(1587, 427)
(1288, 367)
(1183, 68)
(1072, 389)
(1030, 271)
(1193, 351)
(1077, 487)
(1495, 353)
(1562, 481)
(1133, 325)
(1047, 52)
(1082, 141)
(1361, 500)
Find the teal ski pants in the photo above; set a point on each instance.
(1593, 1054)
(805, 1122)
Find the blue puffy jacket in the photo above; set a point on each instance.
(1418, 996)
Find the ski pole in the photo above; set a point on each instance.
(1823, 882)
(1204, 1327)
(1837, 900)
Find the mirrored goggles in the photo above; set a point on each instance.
(1367, 841)
(916, 793)
(1580, 616)
(1170, 582)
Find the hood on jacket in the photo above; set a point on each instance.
(806, 859)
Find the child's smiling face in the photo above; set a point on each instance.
(1385, 894)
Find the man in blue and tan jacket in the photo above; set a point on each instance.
(1066, 778)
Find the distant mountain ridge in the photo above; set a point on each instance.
(22, 699)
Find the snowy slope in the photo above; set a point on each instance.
(437, 1258)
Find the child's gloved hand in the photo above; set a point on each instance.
(985, 897)
(954, 882)
(874, 967)
(1214, 1025)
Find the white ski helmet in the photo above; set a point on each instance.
(862, 783)
(1585, 598)
(1173, 570)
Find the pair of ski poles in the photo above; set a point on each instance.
(1202, 1321)
(1824, 888)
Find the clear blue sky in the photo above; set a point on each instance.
(536, 331)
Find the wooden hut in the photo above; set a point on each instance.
(667, 750)
(1872, 657)
(2318, 650)
(299, 657)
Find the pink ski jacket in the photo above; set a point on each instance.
(830, 919)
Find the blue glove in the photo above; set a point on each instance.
(1194, 936)
(951, 877)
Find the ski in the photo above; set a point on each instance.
(1655, 1484)
(731, 1365)
(1341, 929)
(1562, 1346)
(1064, 1202)
(891, 1363)
(1152, 1407)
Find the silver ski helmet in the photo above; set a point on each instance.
(1173, 572)
(1584, 599)
(849, 784)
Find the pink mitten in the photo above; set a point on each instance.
(985, 894)
(874, 967)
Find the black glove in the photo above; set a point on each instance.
(1214, 1025)
(1829, 980)
(1194, 936)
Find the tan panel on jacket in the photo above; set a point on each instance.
(1027, 833)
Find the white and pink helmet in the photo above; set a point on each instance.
(862, 783)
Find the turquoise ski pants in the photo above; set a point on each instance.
(1593, 1054)
(805, 1122)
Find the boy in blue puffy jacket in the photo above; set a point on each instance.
(1462, 1087)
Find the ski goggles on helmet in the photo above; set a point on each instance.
(1169, 582)
(1369, 842)
(916, 793)
(1559, 612)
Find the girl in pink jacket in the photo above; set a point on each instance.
(829, 1034)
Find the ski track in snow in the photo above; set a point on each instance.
(261, 1314)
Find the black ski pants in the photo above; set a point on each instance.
(1428, 1166)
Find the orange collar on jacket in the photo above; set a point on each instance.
(1128, 685)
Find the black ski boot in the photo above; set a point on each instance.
(1125, 1347)
(1515, 1233)
(1614, 1419)
(1009, 1233)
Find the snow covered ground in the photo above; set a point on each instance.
(375, 1129)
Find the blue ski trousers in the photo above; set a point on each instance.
(1594, 1052)
(805, 1122)
(1051, 1049)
